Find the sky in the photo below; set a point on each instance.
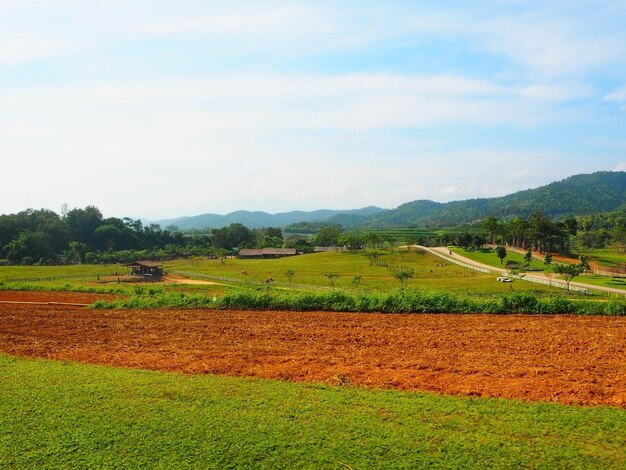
(158, 109)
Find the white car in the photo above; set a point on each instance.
(504, 279)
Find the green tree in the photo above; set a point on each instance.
(29, 246)
(328, 236)
(352, 241)
(109, 236)
(82, 224)
(391, 241)
(501, 253)
(569, 271)
(374, 240)
(403, 275)
(478, 241)
(491, 226)
(332, 278)
(528, 256)
(618, 236)
(77, 252)
(547, 260)
(233, 236)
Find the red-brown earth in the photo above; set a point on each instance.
(563, 358)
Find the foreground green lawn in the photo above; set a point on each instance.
(67, 415)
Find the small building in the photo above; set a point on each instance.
(267, 253)
(149, 269)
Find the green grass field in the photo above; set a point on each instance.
(604, 281)
(86, 277)
(431, 272)
(72, 273)
(489, 257)
(67, 415)
(606, 257)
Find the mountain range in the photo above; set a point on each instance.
(574, 196)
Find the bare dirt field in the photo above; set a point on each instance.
(568, 359)
(60, 297)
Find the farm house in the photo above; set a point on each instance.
(146, 268)
(267, 253)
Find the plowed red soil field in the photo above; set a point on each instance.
(60, 297)
(569, 359)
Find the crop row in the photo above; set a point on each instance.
(400, 301)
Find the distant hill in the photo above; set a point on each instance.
(260, 219)
(574, 196)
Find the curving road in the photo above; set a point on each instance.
(444, 252)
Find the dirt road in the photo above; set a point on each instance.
(445, 252)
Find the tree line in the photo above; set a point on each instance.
(83, 235)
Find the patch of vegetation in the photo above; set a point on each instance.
(67, 415)
(429, 272)
(490, 257)
(399, 301)
(29, 286)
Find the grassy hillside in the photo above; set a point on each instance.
(67, 415)
(576, 195)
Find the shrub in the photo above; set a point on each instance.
(400, 301)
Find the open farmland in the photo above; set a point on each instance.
(430, 272)
(569, 359)
(326, 409)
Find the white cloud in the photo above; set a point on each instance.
(621, 167)
(555, 92)
(175, 110)
(372, 131)
(449, 190)
(247, 20)
(544, 38)
(618, 96)
(16, 48)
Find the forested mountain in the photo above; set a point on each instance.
(574, 196)
(263, 219)
(543, 217)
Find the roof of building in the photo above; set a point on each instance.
(279, 251)
(145, 264)
(250, 252)
(267, 251)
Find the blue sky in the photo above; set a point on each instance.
(160, 109)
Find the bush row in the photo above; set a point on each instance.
(402, 301)
(26, 286)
